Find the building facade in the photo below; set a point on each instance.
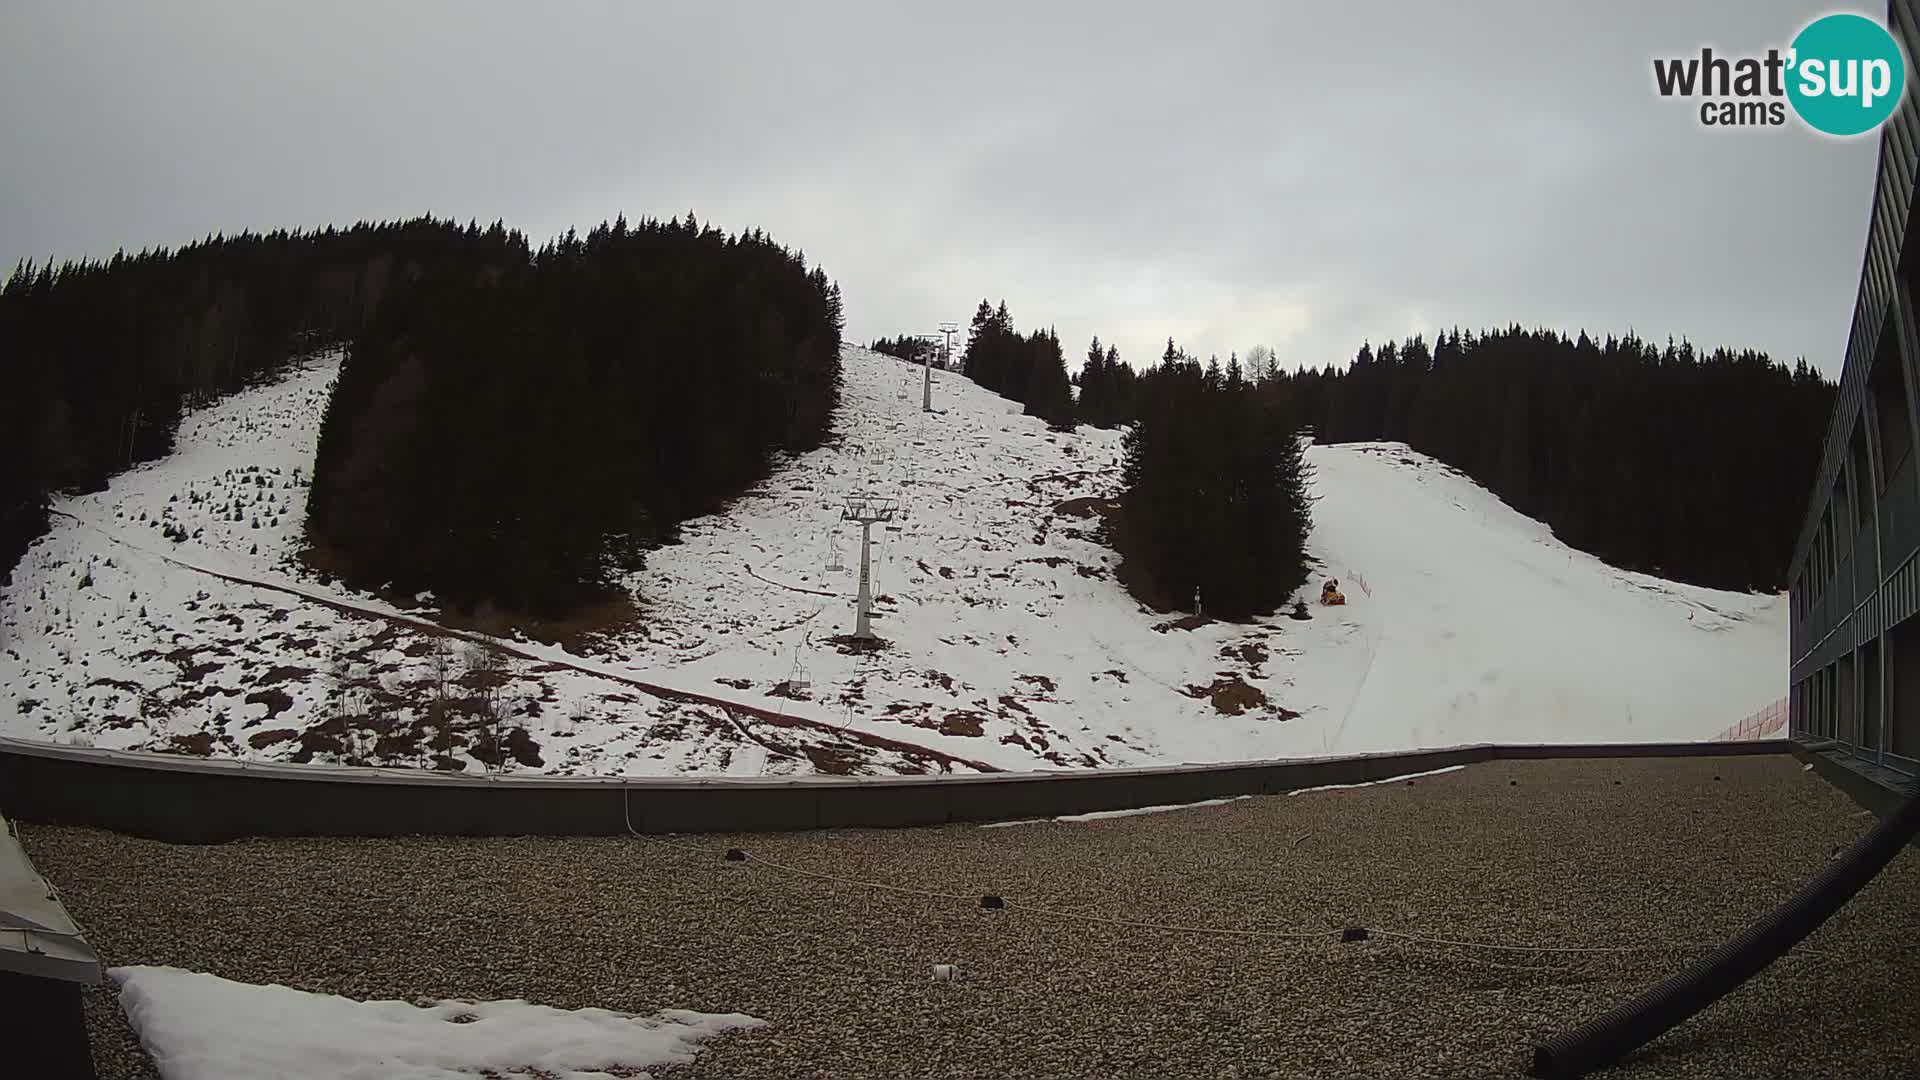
(1855, 577)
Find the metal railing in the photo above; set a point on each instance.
(195, 800)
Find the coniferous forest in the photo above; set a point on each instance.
(911, 349)
(1216, 483)
(510, 427)
(515, 426)
(1685, 464)
(1106, 387)
(520, 438)
(1028, 368)
(98, 358)
(1689, 465)
(1216, 493)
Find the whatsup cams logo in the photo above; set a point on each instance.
(1843, 74)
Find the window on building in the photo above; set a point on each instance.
(1815, 721)
(1833, 701)
(1846, 697)
(1813, 566)
(1829, 703)
(1840, 504)
(1870, 735)
(1903, 689)
(1829, 550)
(1888, 389)
(1863, 484)
(1817, 559)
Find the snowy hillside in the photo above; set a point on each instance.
(171, 612)
(1484, 628)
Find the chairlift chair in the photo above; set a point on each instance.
(798, 678)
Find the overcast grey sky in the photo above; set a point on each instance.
(1303, 175)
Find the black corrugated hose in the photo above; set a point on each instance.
(1611, 1037)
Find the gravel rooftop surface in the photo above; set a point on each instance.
(1675, 855)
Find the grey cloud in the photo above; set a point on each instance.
(1305, 175)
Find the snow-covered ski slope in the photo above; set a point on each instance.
(171, 611)
(1484, 628)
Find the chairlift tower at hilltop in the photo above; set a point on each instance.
(947, 330)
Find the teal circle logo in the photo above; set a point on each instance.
(1845, 74)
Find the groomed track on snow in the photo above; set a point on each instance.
(1539, 858)
(194, 800)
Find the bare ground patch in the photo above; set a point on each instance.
(593, 630)
(1231, 696)
(199, 744)
(1254, 654)
(963, 723)
(276, 700)
(517, 744)
(260, 740)
(833, 760)
(1045, 684)
(1087, 506)
(849, 644)
(328, 737)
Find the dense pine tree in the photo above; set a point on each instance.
(1049, 393)
(1661, 459)
(520, 438)
(1216, 494)
(1106, 387)
(1090, 403)
(909, 348)
(1121, 379)
(1029, 368)
(99, 358)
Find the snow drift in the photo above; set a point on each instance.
(202, 1027)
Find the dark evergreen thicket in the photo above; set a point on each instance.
(1216, 492)
(518, 438)
(1690, 465)
(909, 348)
(1106, 388)
(904, 347)
(1028, 368)
(1049, 391)
(98, 358)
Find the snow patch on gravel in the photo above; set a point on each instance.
(1102, 815)
(202, 1027)
(1373, 783)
